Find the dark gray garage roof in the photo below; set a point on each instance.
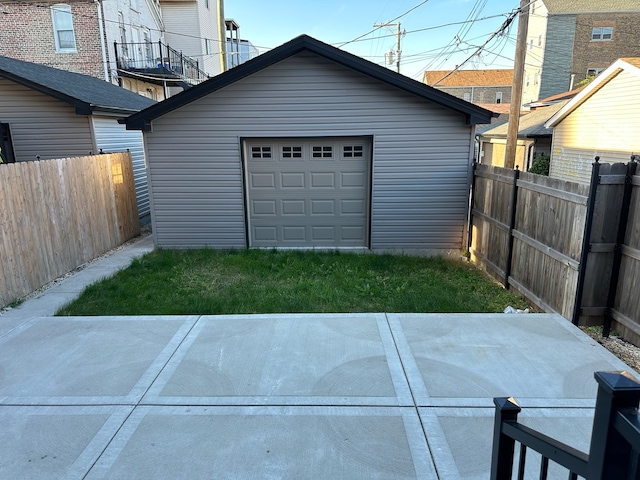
(474, 113)
(86, 94)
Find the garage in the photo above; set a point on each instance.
(304, 193)
(308, 146)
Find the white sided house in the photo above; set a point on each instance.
(602, 120)
(49, 113)
(309, 146)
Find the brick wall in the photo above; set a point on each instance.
(588, 54)
(26, 33)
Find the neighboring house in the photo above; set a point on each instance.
(533, 138)
(238, 50)
(603, 120)
(570, 40)
(310, 146)
(49, 113)
(125, 42)
(475, 86)
(196, 28)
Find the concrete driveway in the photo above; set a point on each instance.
(353, 396)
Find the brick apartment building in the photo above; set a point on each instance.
(124, 42)
(570, 40)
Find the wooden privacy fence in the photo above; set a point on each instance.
(58, 214)
(569, 248)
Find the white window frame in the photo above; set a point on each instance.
(602, 34)
(466, 96)
(593, 72)
(56, 11)
(498, 97)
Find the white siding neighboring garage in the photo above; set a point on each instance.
(408, 191)
(112, 137)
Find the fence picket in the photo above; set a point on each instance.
(59, 214)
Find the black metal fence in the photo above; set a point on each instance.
(615, 439)
(154, 57)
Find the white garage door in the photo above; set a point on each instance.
(308, 192)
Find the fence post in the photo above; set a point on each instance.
(617, 254)
(507, 410)
(512, 224)
(610, 453)
(586, 240)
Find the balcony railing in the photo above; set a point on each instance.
(615, 439)
(158, 61)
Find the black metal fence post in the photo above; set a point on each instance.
(512, 224)
(471, 200)
(610, 454)
(617, 254)
(586, 240)
(507, 410)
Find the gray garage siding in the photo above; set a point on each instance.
(41, 125)
(114, 137)
(420, 168)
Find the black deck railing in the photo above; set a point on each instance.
(615, 440)
(158, 59)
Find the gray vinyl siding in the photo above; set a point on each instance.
(558, 54)
(41, 125)
(114, 137)
(420, 167)
(605, 125)
(182, 27)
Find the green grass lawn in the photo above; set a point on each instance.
(266, 281)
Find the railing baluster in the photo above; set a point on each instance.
(521, 461)
(544, 468)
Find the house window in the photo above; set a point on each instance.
(467, 97)
(533, 7)
(206, 3)
(322, 152)
(6, 146)
(536, 79)
(207, 46)
(539, 40)
(260, 152)
(350, 151)
(63, 28)
(594, 72)
(601, 34)
(527, 80)
(291, 152)
(498, 97)
(531, 44)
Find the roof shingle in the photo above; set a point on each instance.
(464, 78)
(82, 91)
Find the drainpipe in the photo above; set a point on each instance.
(530, 156)
(105, 60)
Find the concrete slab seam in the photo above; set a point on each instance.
(172, 363)
(441, 454)
(417, 387)
(394, 363)
(99, 443)
(423, 462)
(152, 373)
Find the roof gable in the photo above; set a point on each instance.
(531, 124)
(464, 78)
(143, 119)
(86, 94)
(591, 6)
(631, 65)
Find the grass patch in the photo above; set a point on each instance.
(266, 281)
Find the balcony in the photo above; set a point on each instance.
(157, 63)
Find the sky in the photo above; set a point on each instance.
(427, 45)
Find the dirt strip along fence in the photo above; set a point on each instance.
(568, 248)
(56, 215)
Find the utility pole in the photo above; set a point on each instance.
(399, 34)
(516, 89)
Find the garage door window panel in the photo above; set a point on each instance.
(290, 152)
(260, 152)
(322, 152)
